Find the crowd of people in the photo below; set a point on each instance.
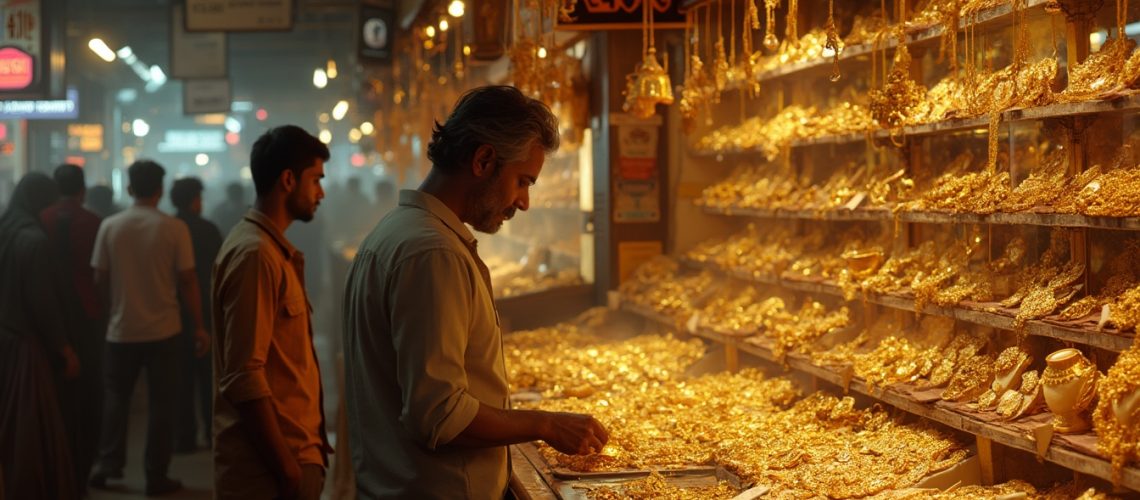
(222, 326)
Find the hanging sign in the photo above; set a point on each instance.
(206, 96)
(599, 15)
(195, 55)
(377, 29)
(239, 15)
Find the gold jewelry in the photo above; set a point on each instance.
(770, 41)
(833, 42)
(1121, 443)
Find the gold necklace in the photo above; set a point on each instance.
(770, 41)
(1119, 442)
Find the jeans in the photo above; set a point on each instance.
(122, 363)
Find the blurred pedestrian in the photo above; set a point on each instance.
(386, 199)
(269, 434)
(71, 230)
(145, 260)
(101, 201)
(197, 391)
(35, 459)
(229, 212)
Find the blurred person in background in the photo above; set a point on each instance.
(229, 212)
(349, 211)
(269, 432)
(101, 201)
(386, 199)
(144, 261)
(71, 230)
(35, 459)
(196, 393)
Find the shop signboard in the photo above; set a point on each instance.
(85, 137)
(23, 49)
(637, 190)
(239, 15)
(193, 141)
(603, 15)
(377, 29)
(206, 96)
(41, 109)
(195, 55)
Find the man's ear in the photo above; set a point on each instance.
(483, 161)
(288, 180)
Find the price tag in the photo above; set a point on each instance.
(613, 299)
(694, 323)
(1105, 315)
(1043, 436)
(856, 201)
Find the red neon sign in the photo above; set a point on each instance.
(17, 69)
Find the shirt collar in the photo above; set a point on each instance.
(425, 201)
(261, 220)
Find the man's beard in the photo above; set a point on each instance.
(297, 209)
(483, 205)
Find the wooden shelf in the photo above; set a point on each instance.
(1102, 340)
(988, 19)
(937, 411)
(883, 214)
(1125, 103)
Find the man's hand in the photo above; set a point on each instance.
(70, 362)
(575, 434)
(201, 342)
(289, 485)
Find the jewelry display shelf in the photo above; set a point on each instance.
(1123, 103)
(986, 19)
(938, 411)
(882, 214)
(1085, 336)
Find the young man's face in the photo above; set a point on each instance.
(307, 192)
(497, 195)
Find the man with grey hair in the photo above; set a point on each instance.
(428, 404)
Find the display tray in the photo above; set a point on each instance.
(575, 485)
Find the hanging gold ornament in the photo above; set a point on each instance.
(649, 85)
(833, 42)
(770, 41)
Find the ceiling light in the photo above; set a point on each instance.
(325, 136)
(443, 25)
(100, 48)
(430, 31)
(202, 159)
(340, 110)
(320, 78)
(366, 128)
(331, 71)
(140, 127)
(456, 8)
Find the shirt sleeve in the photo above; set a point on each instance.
(430, 302)
(101, 258)
(184, 248)
(246, 300)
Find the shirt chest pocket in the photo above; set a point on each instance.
(291, 333)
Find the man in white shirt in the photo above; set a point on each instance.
(143, 259)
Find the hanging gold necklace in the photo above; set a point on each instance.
(833, 41)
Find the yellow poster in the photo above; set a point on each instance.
(632, 254)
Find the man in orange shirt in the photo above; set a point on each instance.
(269, 426)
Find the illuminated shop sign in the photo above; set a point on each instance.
(43, 109)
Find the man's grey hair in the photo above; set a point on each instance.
(499, 116)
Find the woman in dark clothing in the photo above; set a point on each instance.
(35, 460)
